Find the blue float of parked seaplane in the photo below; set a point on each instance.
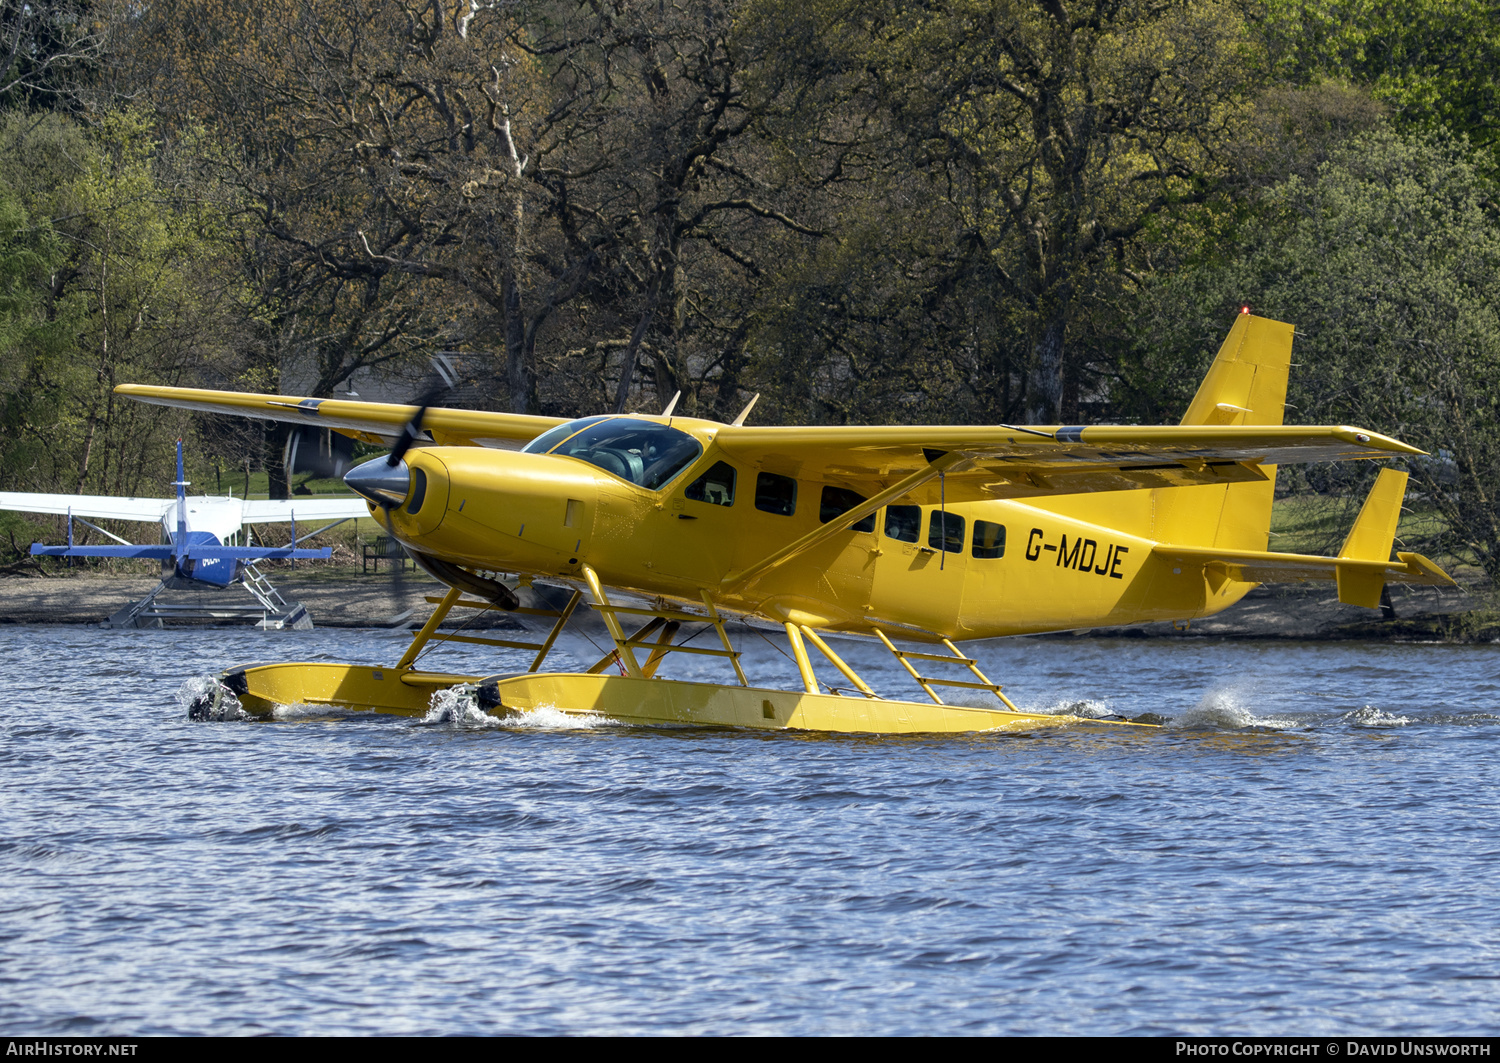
(196, 553)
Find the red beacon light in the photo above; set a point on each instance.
(1244, 309)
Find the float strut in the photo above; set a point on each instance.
(804, 665)
(438, 615)
(612, 622)
(613, 656)
(663, 641)
(838, 662)
(718, 621)
(562, 622)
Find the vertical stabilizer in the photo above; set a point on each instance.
(1247, 382)
(1245, 385)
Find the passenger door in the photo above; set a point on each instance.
(919, 573)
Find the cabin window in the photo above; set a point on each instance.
(716, 486)
(989, 539)
(418, 491)
(776, 494)
(643, 452)
(945, 531)
(837, 500)
(903, 523)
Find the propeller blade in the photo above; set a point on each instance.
(411, 432)
(387, 481)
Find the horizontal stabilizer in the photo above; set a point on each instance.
(1361, 570)
(1256, 566)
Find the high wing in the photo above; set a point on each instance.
(279, 511)
(145, 509)
(1002, 461)
(371, 422)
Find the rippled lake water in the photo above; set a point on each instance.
(1309, 847)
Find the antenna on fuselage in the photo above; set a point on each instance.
(739, 422)
(671, 405)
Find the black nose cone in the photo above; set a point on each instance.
(381, 482)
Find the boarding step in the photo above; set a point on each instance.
(953, 656)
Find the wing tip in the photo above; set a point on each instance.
(1377, 441)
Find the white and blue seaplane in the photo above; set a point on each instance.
(199, 548)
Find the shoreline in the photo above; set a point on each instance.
(347, 598)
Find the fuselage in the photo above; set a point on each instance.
(961, 570)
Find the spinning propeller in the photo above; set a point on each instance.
(387, 483)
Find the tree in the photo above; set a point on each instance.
(1387, 261)
(46, 46)
(551, 167)
(1060, 131)
(110, 273)
(1433, 62)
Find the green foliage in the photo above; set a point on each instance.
(1435, 62)
(38, 325)
(108, 275)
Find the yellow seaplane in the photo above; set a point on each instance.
(919, 537)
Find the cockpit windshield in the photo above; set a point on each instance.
(553, 436)
(642, 452)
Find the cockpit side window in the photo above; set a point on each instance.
(838, 500)
(775, 493)
(715, 486)
(645, 453)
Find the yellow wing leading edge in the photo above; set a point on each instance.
(371, 422)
